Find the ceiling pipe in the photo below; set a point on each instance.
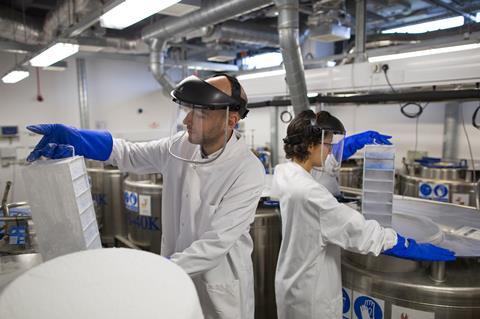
(288, 28)
(65, 15)
(157, 65)
(451, 8)
(243, 32)
(13, 28)
(214, 12)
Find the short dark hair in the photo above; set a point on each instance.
(298, 126)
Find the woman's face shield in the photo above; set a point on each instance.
(206, 130)
(331, 151)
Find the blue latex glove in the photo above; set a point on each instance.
(59, 140)
(408, 248)
(356, 142)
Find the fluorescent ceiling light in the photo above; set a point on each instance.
(429, 26)
(312, 94)
(258, 75)
(53, 54)
(414, 54)
(131, 11)
(15, 76)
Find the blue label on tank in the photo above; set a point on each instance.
(131, 201)
(346, 301)
(99, 199)
(144, 222)
(425, 190)
(367, 308)
(440, 192)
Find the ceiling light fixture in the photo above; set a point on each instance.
(53, 54)
(15, 76)
(258, 75)
(131, 11)
(413, 54)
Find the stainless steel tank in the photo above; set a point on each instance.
(389, 287)
(266, 234)
(446, 181)
(143, 207)
(106, 182)
(393, 288)
(351, 173)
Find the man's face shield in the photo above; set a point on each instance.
(205, 129)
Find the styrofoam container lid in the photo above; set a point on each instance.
(102, 283)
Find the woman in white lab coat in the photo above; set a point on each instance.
(316, 227)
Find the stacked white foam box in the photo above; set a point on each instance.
(378, 183)
(58, 192)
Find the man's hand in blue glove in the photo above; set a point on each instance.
(59, 141)
(356, 142)
(408, 248)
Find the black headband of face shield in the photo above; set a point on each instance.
(236, 94)
(311, 131)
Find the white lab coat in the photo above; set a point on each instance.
(315, 228)
(206, 215)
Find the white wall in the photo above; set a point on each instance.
(116, 90)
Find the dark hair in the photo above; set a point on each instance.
(298, 127)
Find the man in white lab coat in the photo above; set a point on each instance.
(212, 184)
(316, 227)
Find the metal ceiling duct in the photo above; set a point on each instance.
(288, 25)
(157, 46)
(328, 21)
(66, 14)
(243, 32)
(12, 28)
(213, 12)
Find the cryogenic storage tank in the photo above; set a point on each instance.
(393, 288)
(142, 199)
(388, 287)
(439, 180)
(351, 173)
(106, 182)
(266, 234)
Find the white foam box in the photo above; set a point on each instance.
(58, 192)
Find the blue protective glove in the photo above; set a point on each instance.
(356, 142)
(59, 141)
(408, 248)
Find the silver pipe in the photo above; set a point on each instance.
(360, 27)
(12, 28)
(288, 24)
(437, 271)
(450, 131)
(244, 32)
(82, 93)
(274, 115)
(63, 16)
(157, 64)
(212, 13)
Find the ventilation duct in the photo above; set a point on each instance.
(12, 28)
(243, 32)
(213, 12)
(288, 24)
(66, 14)
(328, 22)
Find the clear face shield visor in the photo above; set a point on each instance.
(331, 152)
(198, 134)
